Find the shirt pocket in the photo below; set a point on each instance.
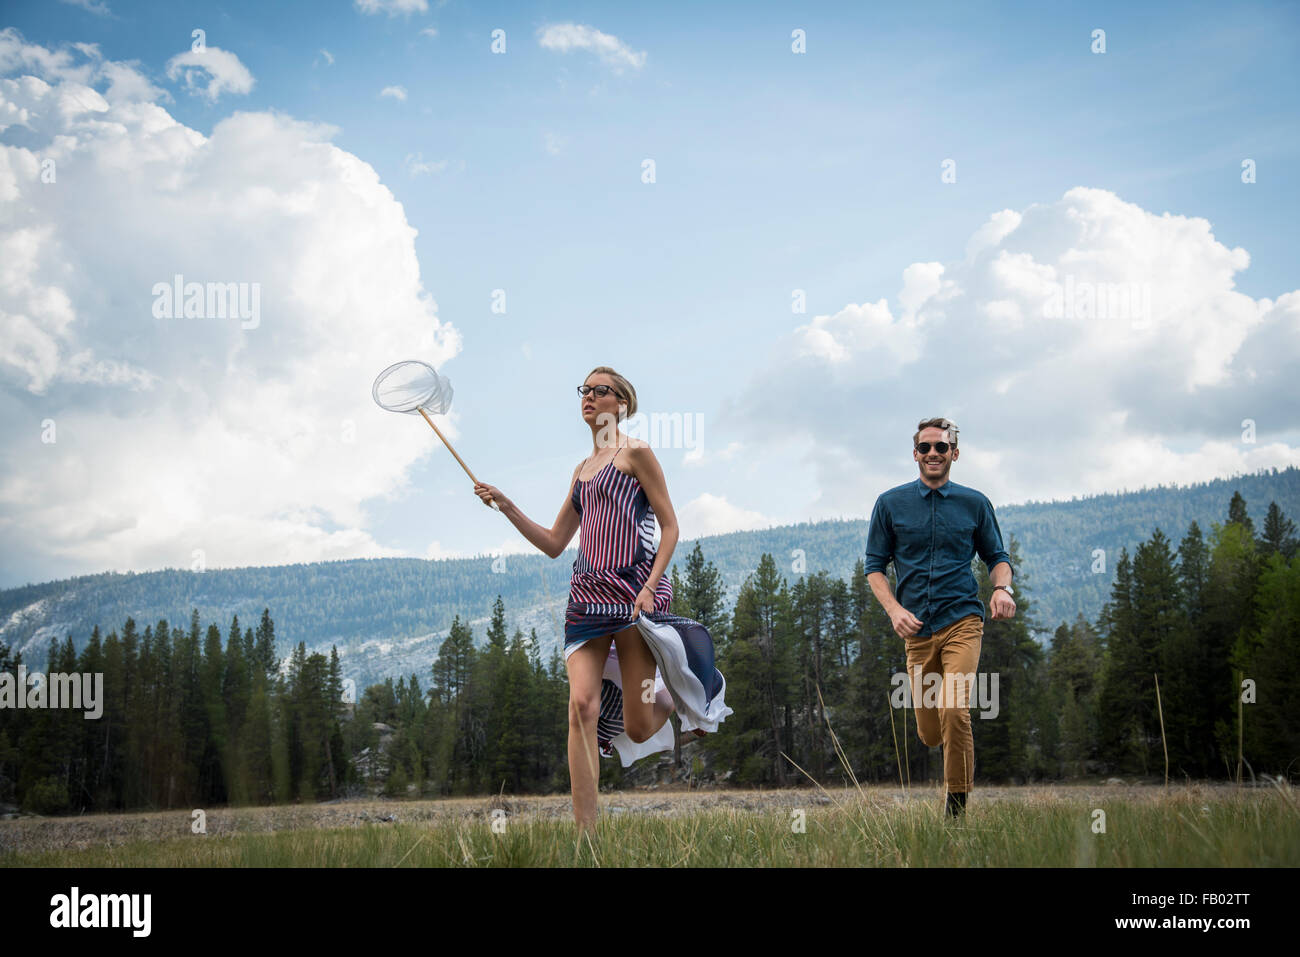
(911, 536)
(959, 540)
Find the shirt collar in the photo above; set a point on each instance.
(925, 490)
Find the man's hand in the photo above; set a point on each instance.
(1002, 605)
(905, 623)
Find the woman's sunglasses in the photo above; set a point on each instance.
(940, 447)
(600, 390)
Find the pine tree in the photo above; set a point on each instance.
(212, 774)
(1005, 747)
(1229, 610)
(1072, 676)
(1121, 732)
(1264, 655)
(236, 691)
(265, 653)
(759, 657)
(702, 595)
(1279, 534)
(1238, 515)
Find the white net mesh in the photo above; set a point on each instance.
(410, 386)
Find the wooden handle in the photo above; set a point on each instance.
(453, 452)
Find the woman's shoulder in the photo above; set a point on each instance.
(638, 449)
(634, 457)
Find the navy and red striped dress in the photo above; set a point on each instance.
(616, 552)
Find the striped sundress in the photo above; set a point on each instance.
(616, 551)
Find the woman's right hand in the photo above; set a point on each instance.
(490, 494)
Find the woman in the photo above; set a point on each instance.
(618, 633)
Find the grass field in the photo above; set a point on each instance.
(1196, 825)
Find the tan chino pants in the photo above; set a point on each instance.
(947, 659)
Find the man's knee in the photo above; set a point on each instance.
(955, 721)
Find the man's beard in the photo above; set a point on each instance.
(942, 476)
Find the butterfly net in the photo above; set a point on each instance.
(410, 386)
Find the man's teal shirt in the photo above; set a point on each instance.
(931, 536)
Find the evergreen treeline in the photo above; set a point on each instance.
(185, 722)
(188, 722)
(388, 616)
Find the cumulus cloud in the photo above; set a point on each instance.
(396, 92)
(613, 52)
(224, 72)
(709, 514)
(132, 440)
(1083, 345)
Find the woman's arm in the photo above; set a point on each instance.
(550, 541)
(645, 467)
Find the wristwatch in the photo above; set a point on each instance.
(1005, 588)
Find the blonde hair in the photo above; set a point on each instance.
(938, 423)
(622, 388)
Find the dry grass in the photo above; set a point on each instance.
(1197, 825)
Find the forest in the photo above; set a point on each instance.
(387, 616)
(192, 718)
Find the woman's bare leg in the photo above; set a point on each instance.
(644, 713)
(586, 667)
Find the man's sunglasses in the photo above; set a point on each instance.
(940, 447)
(600, 390)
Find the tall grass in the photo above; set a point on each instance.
(1028, 827)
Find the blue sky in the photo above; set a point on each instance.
(775, 171)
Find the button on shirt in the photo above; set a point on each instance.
(931, 536)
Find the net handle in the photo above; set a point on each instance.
(453, 452)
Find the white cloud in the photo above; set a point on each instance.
(697, 456)
(94, 6)
(613, 52)
(709, 514)
(393, 7)
(256, 445)
(857, 331)
(517, 545)
(1084, 345)
(225, 72)
(416, 166)
(428, 32)
(1000, 224)
(396, 92)
(16, 55)
(328, 57)
(553, 143)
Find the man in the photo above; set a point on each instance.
(931, 529)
